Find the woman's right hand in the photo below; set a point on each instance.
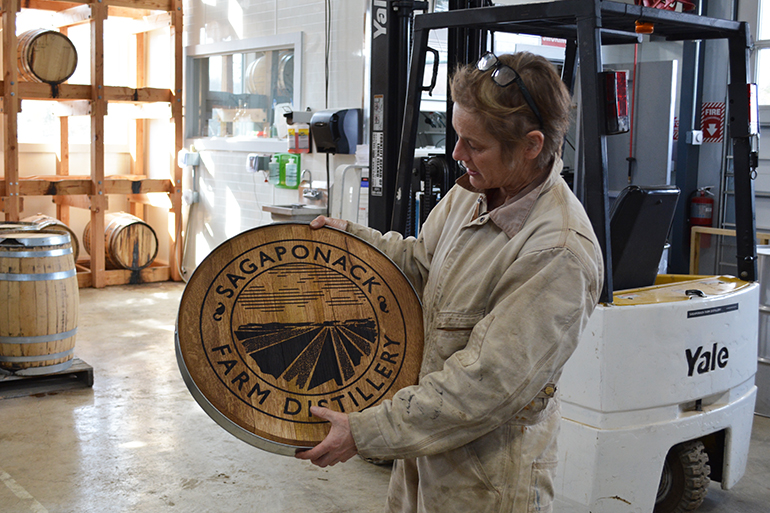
(321, 221)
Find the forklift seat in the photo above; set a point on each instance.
(640, 219)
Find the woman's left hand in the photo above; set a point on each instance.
(321, 221)
(338, 446)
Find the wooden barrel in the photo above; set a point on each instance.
(45, 56)
(280, 318)
(39, 310)
(51, 224)
(129, 242)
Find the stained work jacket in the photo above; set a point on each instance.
(505, 297)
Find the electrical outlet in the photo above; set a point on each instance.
(695, 137)
(189, 197)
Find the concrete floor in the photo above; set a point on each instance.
(138, 442)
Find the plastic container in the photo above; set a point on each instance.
(289, 170)
(291, 175)
(299, 138)
(274, 171)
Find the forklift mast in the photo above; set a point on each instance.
(391, 22)
(586, 25)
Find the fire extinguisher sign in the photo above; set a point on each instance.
(713, 122)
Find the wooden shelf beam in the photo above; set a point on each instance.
(122, 5)
(78, 15)
(77, 201)
(54, 185)
(37, 91)
(11, 107)
(153, 273)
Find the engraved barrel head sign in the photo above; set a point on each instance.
(281, 318)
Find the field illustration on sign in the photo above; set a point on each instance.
(312, 349)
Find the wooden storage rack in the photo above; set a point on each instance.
(696, 233)
(91, 191)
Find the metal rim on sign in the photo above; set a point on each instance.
(229, 426)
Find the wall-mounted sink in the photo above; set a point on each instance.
(297, 212)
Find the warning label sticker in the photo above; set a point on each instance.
(376, 179)
(713, 122)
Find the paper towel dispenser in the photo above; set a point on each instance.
(336, 131)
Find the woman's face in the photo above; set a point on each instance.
(481, 154)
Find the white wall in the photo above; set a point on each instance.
(748, 10)
(231, 198)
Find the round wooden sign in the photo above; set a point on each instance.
(282, 317)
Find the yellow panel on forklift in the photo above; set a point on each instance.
(679, 287)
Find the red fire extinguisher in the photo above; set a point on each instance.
(702, 211)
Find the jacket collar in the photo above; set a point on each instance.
(511, 215)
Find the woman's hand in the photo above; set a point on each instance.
(321, 221)
(338, 446)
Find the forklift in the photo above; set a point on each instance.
(658, 399)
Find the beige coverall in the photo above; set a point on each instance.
(505, 297)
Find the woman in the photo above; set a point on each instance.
(508, 270)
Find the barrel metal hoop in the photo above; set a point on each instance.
(36, 254)
(61, 275)
(48, 369)
(39, 339)
(52, 239)
(37, 358)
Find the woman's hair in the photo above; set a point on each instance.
(504, 111)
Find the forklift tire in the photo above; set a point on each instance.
(685, 478)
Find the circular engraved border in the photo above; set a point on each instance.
(404, 330)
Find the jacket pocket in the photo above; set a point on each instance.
(541, 490)
(453, 329)
(542, 443)
(455, 482)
